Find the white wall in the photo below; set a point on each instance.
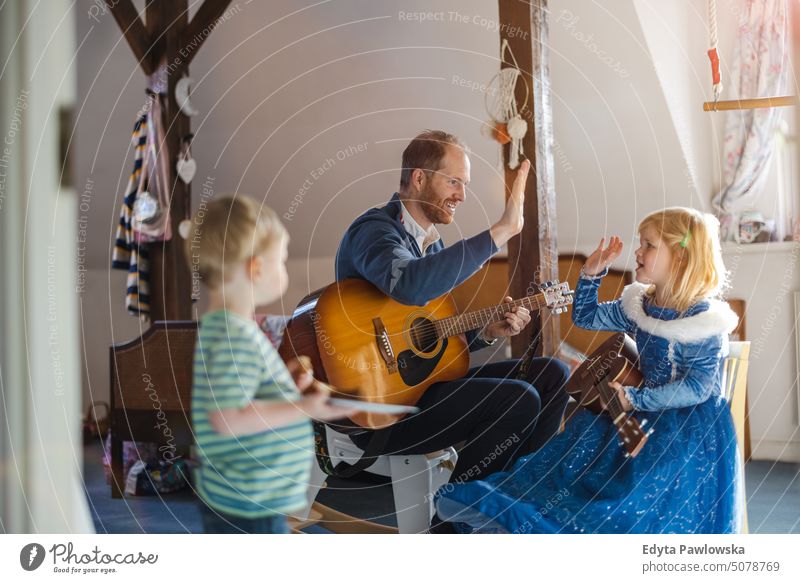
(766, 277)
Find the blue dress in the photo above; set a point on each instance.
(686, 479)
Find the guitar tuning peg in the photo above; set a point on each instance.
(649, 433)
(643, 423)
(627, 455)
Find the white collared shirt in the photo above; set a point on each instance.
(423, 238)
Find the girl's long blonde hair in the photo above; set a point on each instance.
(698, 271)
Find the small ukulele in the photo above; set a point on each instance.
(615, 360)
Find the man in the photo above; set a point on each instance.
(398, 249)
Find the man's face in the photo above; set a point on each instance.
(444, 189)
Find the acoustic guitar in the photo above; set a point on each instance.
(615, 360)
(371, 347)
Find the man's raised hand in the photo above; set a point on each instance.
(510, 224)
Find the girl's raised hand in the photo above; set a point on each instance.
(601, 258)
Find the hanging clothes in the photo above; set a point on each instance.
(145, 214)
(129, 253)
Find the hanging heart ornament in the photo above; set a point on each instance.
(186, 169)
(186, 166)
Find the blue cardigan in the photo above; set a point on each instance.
(376, 247)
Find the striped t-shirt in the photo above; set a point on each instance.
(253, 475)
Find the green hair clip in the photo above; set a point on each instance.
(685, 240)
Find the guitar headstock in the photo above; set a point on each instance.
(557, 296)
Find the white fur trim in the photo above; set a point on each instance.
(718, 319)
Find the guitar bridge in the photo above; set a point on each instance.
(384, 346)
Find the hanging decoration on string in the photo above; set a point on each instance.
(182, 96)
(505, 122)
(743, 102)
(713, 54)
(186, 167)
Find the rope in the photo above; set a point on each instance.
(713, 54)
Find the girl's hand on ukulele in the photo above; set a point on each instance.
(602, 258)
(515, 321)
(623, 399)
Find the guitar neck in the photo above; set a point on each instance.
(479, 318)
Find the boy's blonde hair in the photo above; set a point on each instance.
(226, 232)
(698, 271)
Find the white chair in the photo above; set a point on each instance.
(734, 383)
(415, 479)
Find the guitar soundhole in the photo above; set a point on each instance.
(423, 335)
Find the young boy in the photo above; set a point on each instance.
(249, 412)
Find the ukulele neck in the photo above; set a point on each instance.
(613, 404)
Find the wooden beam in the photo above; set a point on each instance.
(734, 104)
(134, 32)
(156, 23)
(533, 255)
(202, 25)
(170, 278)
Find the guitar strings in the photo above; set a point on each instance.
(426, 334)
(459, 320)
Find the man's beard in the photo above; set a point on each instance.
(429, 203)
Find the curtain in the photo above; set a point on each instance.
(760, 69)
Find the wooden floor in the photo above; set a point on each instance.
(773, 491)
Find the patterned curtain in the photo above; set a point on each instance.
(759, 70)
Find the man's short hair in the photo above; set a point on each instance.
(426, 152)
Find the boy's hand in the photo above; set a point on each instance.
(302, 372)
(602, 258)
(315, 404)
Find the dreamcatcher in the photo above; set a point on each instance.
(505, 120)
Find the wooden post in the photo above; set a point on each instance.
(170, 38)
(533, 255)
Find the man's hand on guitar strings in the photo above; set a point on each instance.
(514, 323)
